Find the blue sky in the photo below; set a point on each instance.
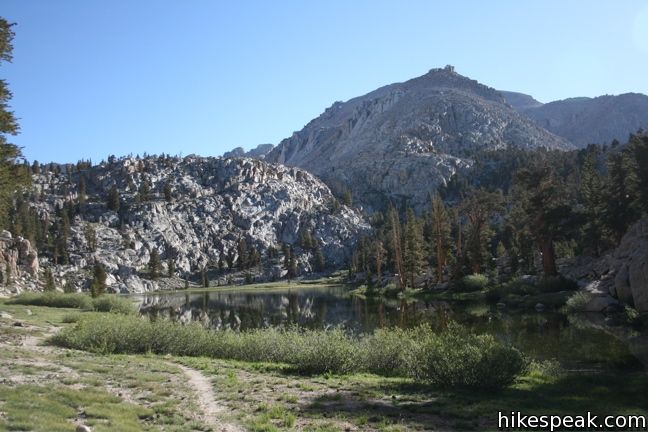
(93, 78)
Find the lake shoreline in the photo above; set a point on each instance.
(268, 396)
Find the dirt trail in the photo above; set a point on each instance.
(33, 342)
(207, 402)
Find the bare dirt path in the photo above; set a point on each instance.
(212, 410)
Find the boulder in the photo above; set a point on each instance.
(632, 259)
(621, 288)
(600, 303)
(629, 264)
(621, 275)
(638, 278)
(18, 261)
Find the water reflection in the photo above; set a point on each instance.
(585, 343)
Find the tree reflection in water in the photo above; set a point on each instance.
(545, 335)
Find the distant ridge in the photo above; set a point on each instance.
(520, 101)
(259, 152)
(585, 120)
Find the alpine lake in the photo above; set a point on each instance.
(582, 341)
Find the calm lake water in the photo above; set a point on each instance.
(580, 341)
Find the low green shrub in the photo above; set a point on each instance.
(521, 287)
(53, 299)
(452, 358)
(71, 318)
(113, 303)
(387, 352)
(548, 369)
(326, 351)
(630, 314)
(473, 282)
(457, 358)
(518, 287)
(631, 317)
(577, 302)
(384, 351)
(104, 303)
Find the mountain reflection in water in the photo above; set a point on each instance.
(580, 342)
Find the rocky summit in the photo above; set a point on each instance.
(404, 140)
(198, 214)
(258, 152)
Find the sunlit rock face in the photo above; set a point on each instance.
(404, 140)
(18, 264)
(214, 204)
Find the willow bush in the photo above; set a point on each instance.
(450, 358)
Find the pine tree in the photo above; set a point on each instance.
(204, 278)
(241, 249)
(285, 251)
(306, 240)
(440, 235)
(69, 287)
(378, 257)
(113, 199)
(395, 247)
(154, 264)
(272, 253)
(168, 193)
(620, 211)
(347, 198)
(592, 196)
(253, 258)
(478, 208)
(144, 191)
(546, 213)
(61, 255)
(90, 235)
(521, 243)
(13, 174)
(82, 190)
(49, 280)
(22, 223)
(638, 173)
(98, 284)
(229, 258)
(502, 255)
(414, 253)
(319, 263)
(171, 267)
(291, 265)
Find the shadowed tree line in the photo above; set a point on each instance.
(515, 212)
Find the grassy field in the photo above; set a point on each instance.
(48, 389)
(45, 388)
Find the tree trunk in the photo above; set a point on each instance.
(548, 258)
(440, 261)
